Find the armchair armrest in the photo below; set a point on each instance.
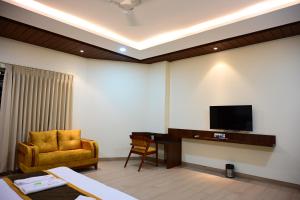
(90, 145)
(28, 154)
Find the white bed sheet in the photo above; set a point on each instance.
(89, 185)
(83, 182)
(7, 193)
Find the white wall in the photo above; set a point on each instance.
(23, 54)
(265, 75)
(117, 103)
(122, 98)
(158, 98)
(111, 99)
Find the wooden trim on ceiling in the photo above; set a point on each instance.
(40, 37)
(25, 33)
(275, 33)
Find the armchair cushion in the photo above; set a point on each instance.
(64, 156)
(46, 141)
(69, 139)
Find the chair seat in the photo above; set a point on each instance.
(143, 149)
(64, 156)
(140, 145)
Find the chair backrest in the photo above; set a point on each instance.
(140, 140)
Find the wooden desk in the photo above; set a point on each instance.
(172, 147)
(230, 137)
(172, 141)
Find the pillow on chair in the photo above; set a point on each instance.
(45, 140)
(69, 139)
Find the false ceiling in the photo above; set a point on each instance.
(151, 17)
(155, 27)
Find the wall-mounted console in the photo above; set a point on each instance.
(230, 137)
(172, 141)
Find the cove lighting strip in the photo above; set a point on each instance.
(67, 18)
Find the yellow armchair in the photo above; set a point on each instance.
(66, 149)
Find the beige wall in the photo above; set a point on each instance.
(111, 99)
(265, 75)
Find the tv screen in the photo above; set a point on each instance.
(231, 117)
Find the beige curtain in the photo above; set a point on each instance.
(32, 100)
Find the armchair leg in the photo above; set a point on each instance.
(96, 166)
(142, 161)
(127, 159)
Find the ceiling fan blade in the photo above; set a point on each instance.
(131, 18)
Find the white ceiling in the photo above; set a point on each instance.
(152, 19)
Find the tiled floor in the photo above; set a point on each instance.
(183, 183)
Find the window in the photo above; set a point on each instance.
(2, 71)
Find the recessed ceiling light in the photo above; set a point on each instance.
(123, 49)
(81, 51)
(215, 48)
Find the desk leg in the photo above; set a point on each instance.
(156, 154)
(173, 153)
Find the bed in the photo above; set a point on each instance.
(80, 185)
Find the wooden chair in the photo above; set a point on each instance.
(141, 145)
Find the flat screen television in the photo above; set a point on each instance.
(235, 117)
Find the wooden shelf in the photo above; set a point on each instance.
(230, 137)
(172, 141)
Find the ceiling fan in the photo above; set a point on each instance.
(128, 6)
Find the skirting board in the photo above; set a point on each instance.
(211, 170)
(221, 172)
